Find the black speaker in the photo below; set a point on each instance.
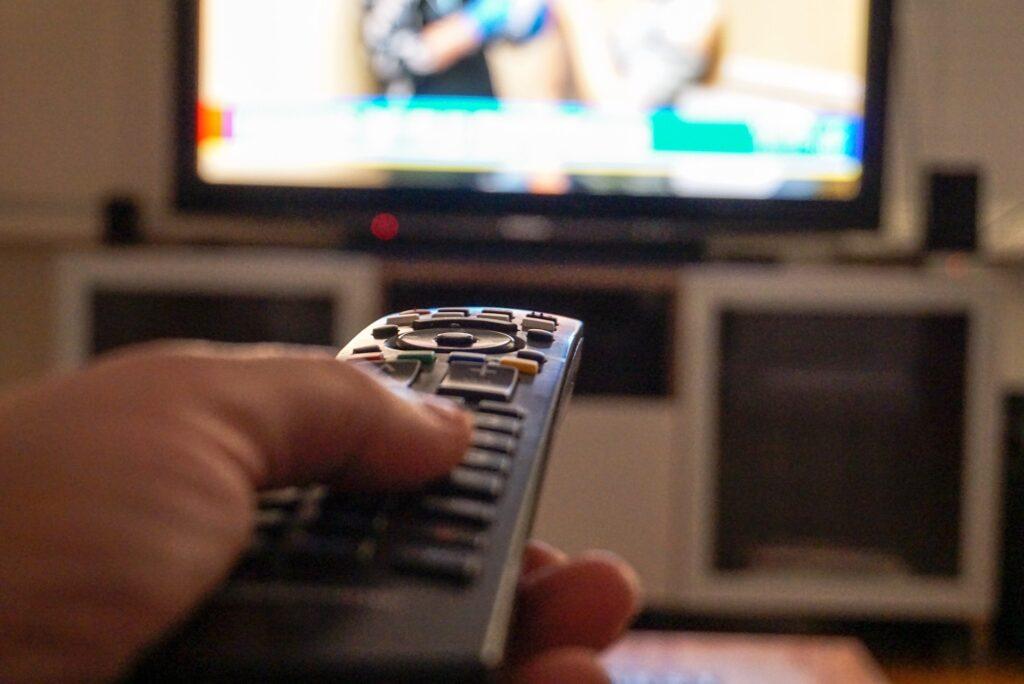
(122, 221)
(952, 210)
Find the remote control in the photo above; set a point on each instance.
(416, 586)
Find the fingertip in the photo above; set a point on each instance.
(557, 666)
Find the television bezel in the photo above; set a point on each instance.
(678, 218)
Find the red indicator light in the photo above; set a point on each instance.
(384, 226)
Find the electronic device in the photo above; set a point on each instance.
(460, 121)
(412, 586)
(951, 216)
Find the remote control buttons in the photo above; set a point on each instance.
(499, 312)
(494, 441)
(453, 309)
(538, 336)
(524, 366)
(463, 510)
(454, 339)
(457, 339)
(454, 564)
(479, 381)
(403, 370)
(467, 356)
(533, 355)
(427, 358)
(471, 483)
(382, 332)
(375, 356)
(538, 324)
(470, 323)
(502, 409)
(487, 460)
(496, 423)
(402, 319)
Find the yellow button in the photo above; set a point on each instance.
(525, 366)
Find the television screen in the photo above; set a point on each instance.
(643, 106)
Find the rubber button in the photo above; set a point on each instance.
(385, 331)
(540, 336)
(403, 319)
(524, 366)
(494, 441)
(366, 357)
(368, 349)
(487, 460)
(538, 323)
(453, 309)
(424, 357)
(401, 370)
(501, 408)
(467, 356)
(455, 339)
(533, 355)
(461, 566)
(496, 423)
(466, 510)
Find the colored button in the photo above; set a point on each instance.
(524, 366)
(537, 323)
(454, 339)
(453, 309)
(402, 319)
(467, 356)
(425, 357)
(540, 336)
(366, 357)
(368, 349)
(443, 534)
(384, 331)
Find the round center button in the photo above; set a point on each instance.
(455, 339)
(462, 340)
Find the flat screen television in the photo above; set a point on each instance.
(581, 119)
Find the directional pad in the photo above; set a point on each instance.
(479, 381)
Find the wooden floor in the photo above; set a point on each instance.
(922, 675)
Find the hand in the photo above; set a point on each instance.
(128, 490)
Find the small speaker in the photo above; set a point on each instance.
(952, 210)
(122, 222)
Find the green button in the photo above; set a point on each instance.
(427, 357)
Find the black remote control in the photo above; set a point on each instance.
(399, 587)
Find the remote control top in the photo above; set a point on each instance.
(401, 586)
